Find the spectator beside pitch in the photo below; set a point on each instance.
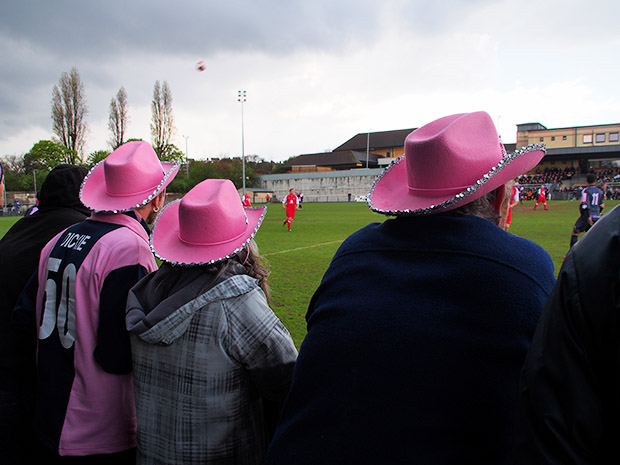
(84, 393)
(419, 360)
(59, 207)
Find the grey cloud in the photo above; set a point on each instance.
(107, 28)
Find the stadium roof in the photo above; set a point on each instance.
(342, 159)
(376, 141)
(588, 152)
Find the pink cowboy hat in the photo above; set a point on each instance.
(449, 163)
(206, 226)
(129, 178)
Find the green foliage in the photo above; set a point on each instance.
(169, 152)
(199, 170)
(24, 181)
(18, 182)
(22, 173)
(17, 178)
(47, 154)
(95, 157)
(14, 163)
(279, 166)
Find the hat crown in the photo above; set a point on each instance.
(127, 179)
(452, 153)
(447, 163)
(211, 213)
(133, 168)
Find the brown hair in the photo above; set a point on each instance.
(250, 260)
(255, 266)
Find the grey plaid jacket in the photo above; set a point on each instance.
(204, 367)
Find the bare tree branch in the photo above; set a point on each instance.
(69, 110)
(162, 123)
(117, 122)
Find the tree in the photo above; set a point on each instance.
(95, 157)
(279, 166)
(69, 110)
(162, 123)
(18, 176)
(14, 163)
(171, 153)
(47, 154)
(117, 122)
(14, 173)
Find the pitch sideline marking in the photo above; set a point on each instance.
(300, 248)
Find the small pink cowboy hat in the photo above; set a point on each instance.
(129, 178)
(449, 163)
(206, 226)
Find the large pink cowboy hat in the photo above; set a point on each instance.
(129, 178)
(206, 226)
(449, 163)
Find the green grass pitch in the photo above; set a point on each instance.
(298, 259)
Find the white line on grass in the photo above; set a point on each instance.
(300, 248)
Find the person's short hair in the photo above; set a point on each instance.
(590, 178)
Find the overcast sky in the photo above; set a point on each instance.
(316, 72)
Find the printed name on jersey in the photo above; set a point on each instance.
(74, 241)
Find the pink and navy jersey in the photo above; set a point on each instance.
(84, 396)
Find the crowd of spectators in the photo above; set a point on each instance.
(608, 175)
(547, 176)
(557, 175)
(553, 179)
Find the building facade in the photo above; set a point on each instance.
(584, 148)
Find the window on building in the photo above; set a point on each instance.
(564, 137)
(552, 137)
(613, 137)
(587, 138)
(600, 138)
(542, 139)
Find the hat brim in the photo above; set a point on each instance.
(390, 194)
(94, 195)
(167, 245)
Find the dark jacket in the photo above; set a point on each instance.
(59, 207)
(570, 386)
(416, 339)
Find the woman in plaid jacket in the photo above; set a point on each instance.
(212, 363)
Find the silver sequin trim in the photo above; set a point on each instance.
(461, 195)
(151, 197)
(211, 262)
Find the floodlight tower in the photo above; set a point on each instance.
(241, 97)
(186, 158)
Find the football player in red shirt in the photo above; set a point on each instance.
(290, 204)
